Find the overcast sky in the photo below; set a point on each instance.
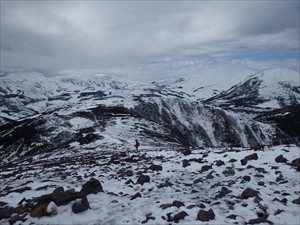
(148, 38)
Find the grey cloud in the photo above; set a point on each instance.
(102, 35)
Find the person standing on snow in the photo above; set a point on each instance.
(137, 144)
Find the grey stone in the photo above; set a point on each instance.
(205, 215)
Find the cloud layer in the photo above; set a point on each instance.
(134, 36)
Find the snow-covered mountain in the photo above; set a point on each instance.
(58, 134)
(268, 89)
(171, 112)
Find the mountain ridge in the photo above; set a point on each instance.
(111, 112)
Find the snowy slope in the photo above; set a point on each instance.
(27, 94)
(269, 89)
(185, 185)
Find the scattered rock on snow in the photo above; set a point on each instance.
(246, 178)
(252, 157)
(278, 211)
(232, 216)
(80, 205)
(148, 217)
(249, 192)
(166, 184)
(205, 215)
(92, 186)
(185, 163)
(249, 157)
(156, 167)
(296, 162)
(296, 201)
(136, 195)
(228, 172)
(206, 168)
(143, 179)
(179, 216)
(280, 159)
(178, 204)
(220, 163)
(224, 191)
(164, 206)
(259, 220)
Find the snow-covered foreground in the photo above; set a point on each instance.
(261, 191)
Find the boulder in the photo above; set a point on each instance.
(206, 168)
(220, 163)
(62, 198)
(143, 179)
(148, 217)
(224, 191)
(93, 186)
(259, 220)
(229, 172)
(249, 192)
(164, 206)
(136, 195)
(251, 157)
(166, 184)
(178, 204)
(296, 201)
(156, 167)
(246, 178)
(278, 211)
(296, 162)
(179, 216)
(243, 162)
(59, 189)
(185, 163)
(280, 159)
(80, 205)
(205, 215)
(232, 216)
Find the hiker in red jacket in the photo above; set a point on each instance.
(137, 144)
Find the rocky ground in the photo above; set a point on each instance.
(199, 186)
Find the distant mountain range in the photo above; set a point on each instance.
(41, 114)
